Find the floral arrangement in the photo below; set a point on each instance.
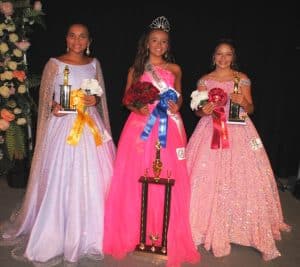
(141, 94)
(16, 21)
(199, 98)
(91, 87)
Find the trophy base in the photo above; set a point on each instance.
(236, 121)
(67, 111)
(157, 254)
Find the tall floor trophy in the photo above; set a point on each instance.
(234, 108)
(158, 246)
(65, 94)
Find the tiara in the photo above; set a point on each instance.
(160, 23)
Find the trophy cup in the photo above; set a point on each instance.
(234, 108)
(65, 94)
(159, 249)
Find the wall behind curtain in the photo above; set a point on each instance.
(265, 50)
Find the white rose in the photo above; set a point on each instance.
(6, 75)
(21, 89)
(17, 111)
(3, 48)
(198, 99)
(2, 26)
(4, 91)
(92, 85)
(21, 121)
(17, 52)
(13, 37)
(12, 65)
(11, 27)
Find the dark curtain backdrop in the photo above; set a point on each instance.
(265, 48)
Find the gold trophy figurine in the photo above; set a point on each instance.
(234, 108)
(65, 93)
(157, 163)
(154, 238)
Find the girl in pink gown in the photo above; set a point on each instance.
(135, 155)
(62, 214)
(234, 197)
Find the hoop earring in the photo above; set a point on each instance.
(88, 52)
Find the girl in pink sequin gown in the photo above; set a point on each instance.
(135, 155)
(234, 197)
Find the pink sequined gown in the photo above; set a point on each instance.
(234, 197)
(134, 155)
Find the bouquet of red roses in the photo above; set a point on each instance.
(140, 94)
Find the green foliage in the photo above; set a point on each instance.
(17, 20)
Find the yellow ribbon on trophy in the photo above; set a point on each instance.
(82, 118)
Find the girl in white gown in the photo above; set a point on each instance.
(62, 213)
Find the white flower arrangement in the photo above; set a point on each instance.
(199, 98)
(16, 105)
(92, 87)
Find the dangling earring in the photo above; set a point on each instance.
(213, 64)
(68, 49)
(88, 52)
(147, 52)
(166, 55)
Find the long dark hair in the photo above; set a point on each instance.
(230, 43)
(142, 55)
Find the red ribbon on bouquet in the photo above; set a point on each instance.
(220, 132)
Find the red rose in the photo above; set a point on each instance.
(140, 94)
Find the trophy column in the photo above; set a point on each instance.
(65, 94)
(159, 250)
(234, 108)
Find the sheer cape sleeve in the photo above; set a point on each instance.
(21, 221)
(102, 105)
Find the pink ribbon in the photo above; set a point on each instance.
(220, 132)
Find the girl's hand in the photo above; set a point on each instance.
(56, 108)
(208, 108)
(143, 111)
(90, 100)
(237, 98)
(173, 107)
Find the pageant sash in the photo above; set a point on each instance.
(82, 118)
(159, 83)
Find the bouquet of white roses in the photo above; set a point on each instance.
(199, 98)
(91, 87)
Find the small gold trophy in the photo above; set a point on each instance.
(234, 108)
(157, 163)
(65, 94)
